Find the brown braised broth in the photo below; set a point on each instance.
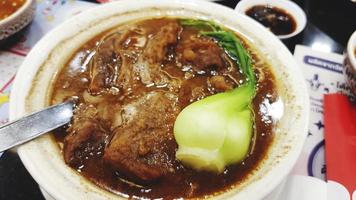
(132, 82)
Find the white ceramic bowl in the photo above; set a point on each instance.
(287, 5)
(42, 156)
(17, 20)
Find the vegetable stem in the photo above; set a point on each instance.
(216, 131)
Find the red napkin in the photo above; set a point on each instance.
(340, 140)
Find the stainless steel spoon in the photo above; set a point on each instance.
(31, 126)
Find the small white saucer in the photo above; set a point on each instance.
(289, 6)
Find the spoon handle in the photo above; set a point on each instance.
(31, 126)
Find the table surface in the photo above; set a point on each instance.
(330, 24)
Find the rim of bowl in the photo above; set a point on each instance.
(18, 12)
(289, 6)
(351, 49)
(36, 57)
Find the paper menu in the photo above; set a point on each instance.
(323, 74)
(9, 64)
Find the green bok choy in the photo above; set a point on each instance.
(216, 131)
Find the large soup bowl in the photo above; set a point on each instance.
(43, 158)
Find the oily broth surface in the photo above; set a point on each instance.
(8, 7)
(73, 80)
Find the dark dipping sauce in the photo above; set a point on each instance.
(182, 65)
(279, 21)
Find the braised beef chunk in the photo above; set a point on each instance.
(202, 53)
(88, 136)
(104, 66)
(158, 45)
(149, 65)
(130, 46)
(143, 148)
(125, 57)
(111, 67)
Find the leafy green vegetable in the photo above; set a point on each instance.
(216, 131)
(228, 41)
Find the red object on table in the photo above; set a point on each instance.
(103, 1)
(340, 140)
